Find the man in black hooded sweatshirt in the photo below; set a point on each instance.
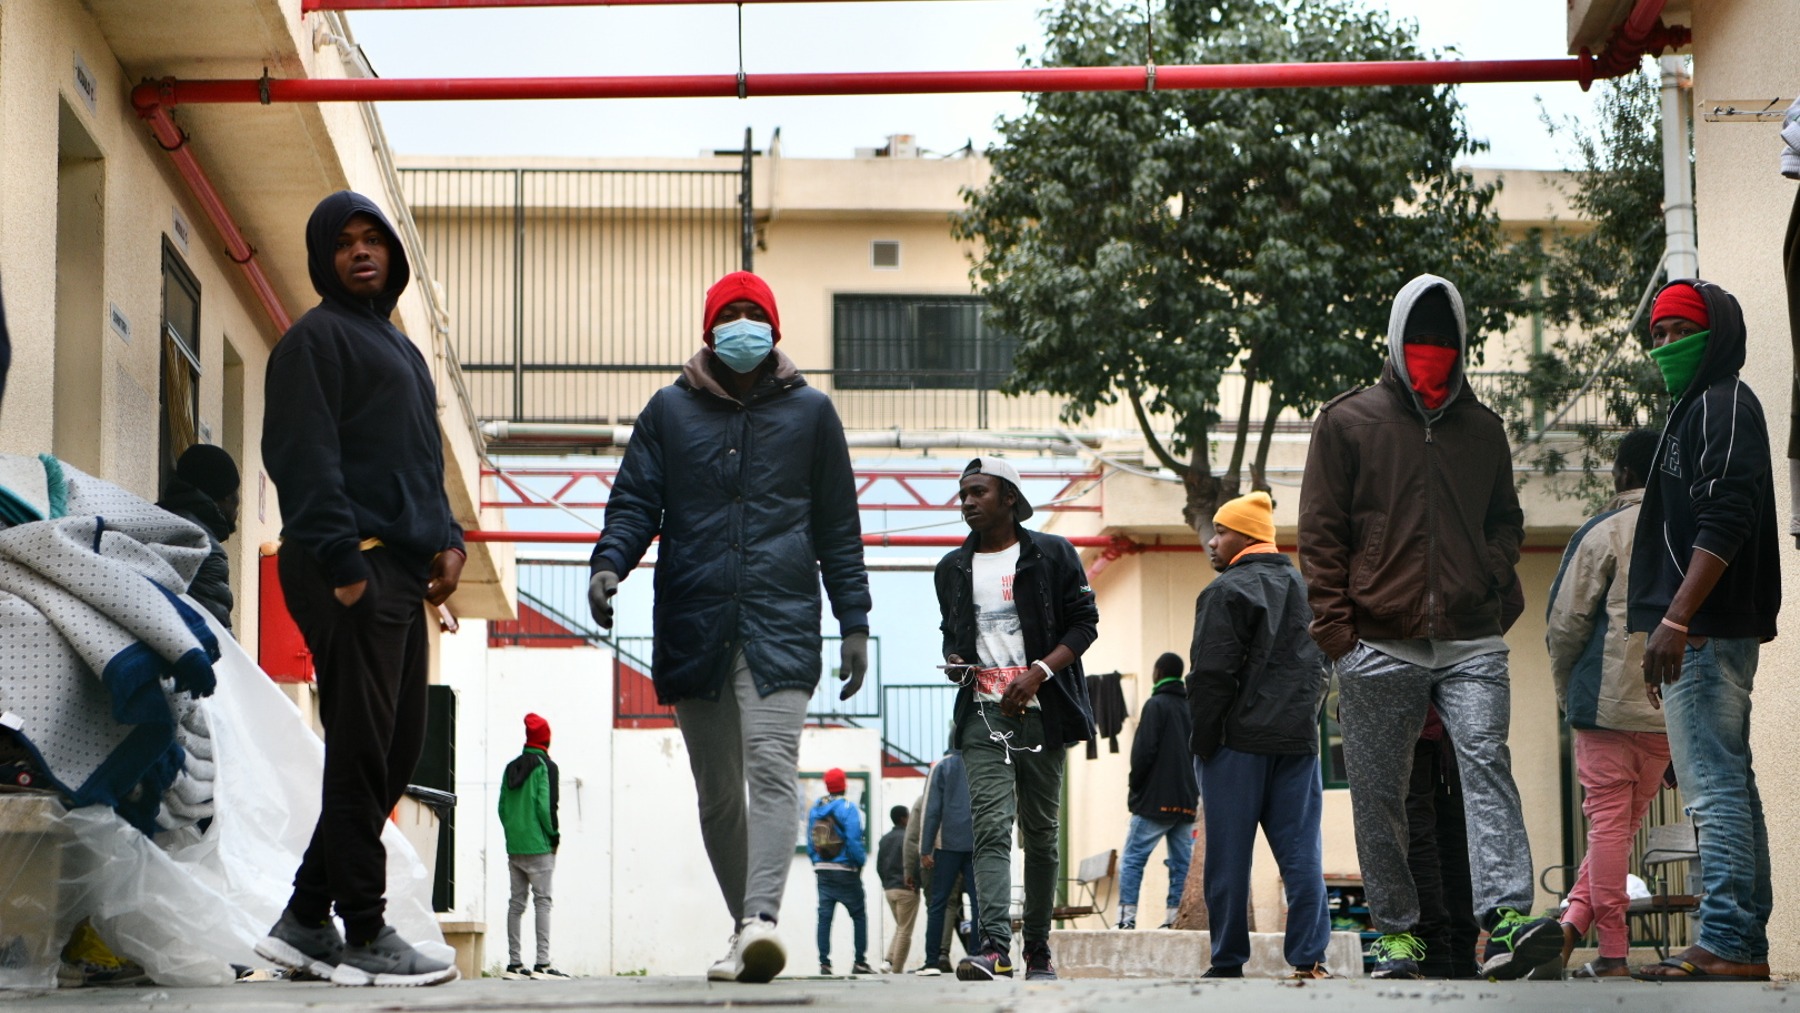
(351, 438)
(1706, 588)
(204, 490)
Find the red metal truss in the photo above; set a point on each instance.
(309, 6)
(586, 489)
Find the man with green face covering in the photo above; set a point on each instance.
(1705, 586)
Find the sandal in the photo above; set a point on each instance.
(1601, 968)
(1677, 969)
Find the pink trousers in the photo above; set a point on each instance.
(1620, 772)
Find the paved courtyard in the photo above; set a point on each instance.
(940, 995)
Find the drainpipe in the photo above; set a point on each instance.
(147, 100)
(1681, 255)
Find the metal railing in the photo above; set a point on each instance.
(571, 291)
(915, 722)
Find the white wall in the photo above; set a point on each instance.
(634, 891)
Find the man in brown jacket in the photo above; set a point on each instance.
(1409, 529)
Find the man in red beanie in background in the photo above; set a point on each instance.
(834, 842)
(1706, 586)
(742, 469)
(528, 801)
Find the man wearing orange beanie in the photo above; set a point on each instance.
(1254, 688)
(742, 470)
(1705, 586)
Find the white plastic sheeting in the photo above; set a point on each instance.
(189, 906)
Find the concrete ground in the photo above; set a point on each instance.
(904, 994)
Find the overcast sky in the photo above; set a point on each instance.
(808, 37)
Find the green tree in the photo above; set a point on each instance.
(1142, 244)
(1596, 379)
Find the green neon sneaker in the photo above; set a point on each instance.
(1396, 955)
(1518, 944)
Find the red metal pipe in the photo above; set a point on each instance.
(173, 141)
(171, 92)
(879, 541)
(309, 6)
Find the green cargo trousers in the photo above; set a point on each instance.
(1009, 782)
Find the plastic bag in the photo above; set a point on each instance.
(189, 906)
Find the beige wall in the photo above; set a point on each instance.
(1742, 204)
(139, 195)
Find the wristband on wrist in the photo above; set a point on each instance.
(1039, 664)
(1672, 624)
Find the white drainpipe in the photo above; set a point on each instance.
(1682, 256)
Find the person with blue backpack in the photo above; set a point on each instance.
(834, 842)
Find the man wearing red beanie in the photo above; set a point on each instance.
(741, 468)
(1705, 586)
(528, 803)
(834, 842)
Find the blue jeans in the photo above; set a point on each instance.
(1708, 712)
(948, 866)
(1242, 791)
(1140, 840)
(838, 886)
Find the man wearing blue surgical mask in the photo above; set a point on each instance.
(741, 468)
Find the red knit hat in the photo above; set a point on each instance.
(834, 781)
(729, 289)
(1679, 299)
(537, 732)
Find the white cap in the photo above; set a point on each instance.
(1005, 472)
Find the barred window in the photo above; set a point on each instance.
(912, 342)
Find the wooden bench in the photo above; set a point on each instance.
(1666, 845)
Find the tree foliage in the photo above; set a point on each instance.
(1142, 244)
(1593, 281)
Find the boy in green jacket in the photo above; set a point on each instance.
(528, 797)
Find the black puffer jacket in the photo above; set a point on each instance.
(1257, 679)
(755, 501)
(212, 585)
(1056, 606)
(1162, 785)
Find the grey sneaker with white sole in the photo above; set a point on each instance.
(389, 961)
(314, 949)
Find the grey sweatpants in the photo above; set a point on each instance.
(747, 739)
(1383, 701)
(531, 874)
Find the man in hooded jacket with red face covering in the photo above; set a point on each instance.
(741, 468)
(1409, 530)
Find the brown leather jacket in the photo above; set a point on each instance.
(1408, 530)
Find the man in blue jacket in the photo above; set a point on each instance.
(742, 470)
(834, 842)
(1705, 586)
(351, 439)
(1017, 615)
(946, 848)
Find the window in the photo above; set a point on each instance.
(909, 342)
(180, 415)
(884, 254)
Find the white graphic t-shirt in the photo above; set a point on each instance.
(998, 636)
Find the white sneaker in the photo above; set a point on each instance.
(1790, 132)
(928, 971)
(756, 955)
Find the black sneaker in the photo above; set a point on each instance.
(516, 972)
(388, 960)
(1038, 966)
(1518, 944)
(314, 949)
(1396, 955)
(861, 967)
(985, 966)
(825, 969)
(1216, 971)
(547, 971)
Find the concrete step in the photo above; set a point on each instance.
(1176, 953)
